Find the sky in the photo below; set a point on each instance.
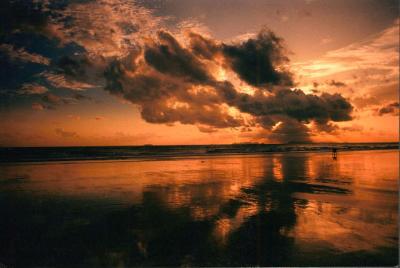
(125, 72)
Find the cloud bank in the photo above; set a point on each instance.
(174, 76)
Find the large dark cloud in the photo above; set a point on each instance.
(203, 47)
(170, 77)
(168, 56)
(292, 109)
(256, 61)
(174, 84)
(295, 104)
(166, 98)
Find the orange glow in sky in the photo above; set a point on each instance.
(131, 73)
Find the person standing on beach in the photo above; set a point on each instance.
(334, 153)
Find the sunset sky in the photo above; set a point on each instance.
(125, 72)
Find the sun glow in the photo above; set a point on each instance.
(221, 74)
(276, 125)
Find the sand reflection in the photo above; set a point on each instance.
(277, 209)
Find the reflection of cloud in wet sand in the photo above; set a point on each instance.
(281, 209)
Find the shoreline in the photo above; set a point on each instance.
(149, 156)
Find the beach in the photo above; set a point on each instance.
(170, 133)
(275, 209)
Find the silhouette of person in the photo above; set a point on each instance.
(334, 153)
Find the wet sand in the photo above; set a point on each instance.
(282, 209)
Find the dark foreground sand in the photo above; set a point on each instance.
(288, 209)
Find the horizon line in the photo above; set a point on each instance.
(182, 145)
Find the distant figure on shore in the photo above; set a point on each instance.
(334, 153)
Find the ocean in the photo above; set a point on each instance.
(27, 154)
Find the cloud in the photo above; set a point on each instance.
(203, 47)
(40, 106)
(22, 15)
(73, 66)
(32, 89)
(181, 75)
(365, 72)
(297, 105)
(206, 129)
(58, 31)
(327, 128)
(193, 25)
(337, 83)
(63, 81)
(65, 134)
(51, 98)
(257, 60)
(21, 54)
(169, 57)
(370, 66)
(365, 101)
(106, 28)
(175, 80)
(392, 109)
(173, 84)
(37, 106)
(30, 42)
(78, 96)
(290, 131)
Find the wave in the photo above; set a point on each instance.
(37, 154)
